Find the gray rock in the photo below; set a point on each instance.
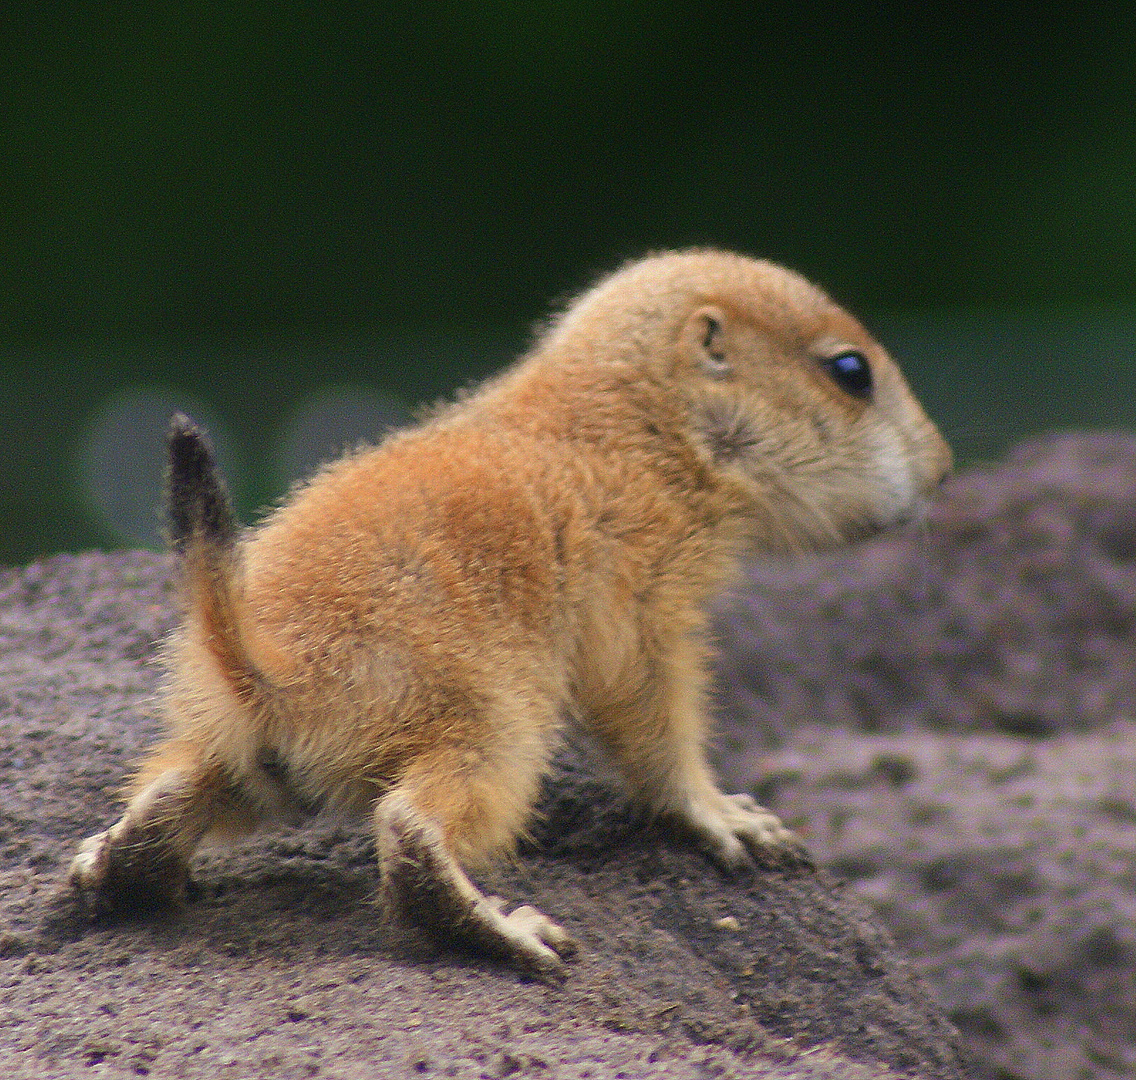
(949, 719)
(278, 965)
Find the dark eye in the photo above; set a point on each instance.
(852, 373)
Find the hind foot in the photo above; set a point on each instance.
(423, 882)
(119, 871)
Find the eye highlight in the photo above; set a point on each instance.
(850, 371)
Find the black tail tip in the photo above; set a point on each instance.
(191, 458)
(184, 433)
(196, 493)
(180, 424)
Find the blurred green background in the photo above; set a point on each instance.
(298, 221)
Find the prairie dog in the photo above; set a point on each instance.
(407, 635)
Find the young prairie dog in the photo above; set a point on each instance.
(405, 638)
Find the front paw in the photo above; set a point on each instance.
(734, 831)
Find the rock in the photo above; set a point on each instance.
(949, 718)
(279, 965)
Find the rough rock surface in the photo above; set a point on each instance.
(279, 965)
(947, 716)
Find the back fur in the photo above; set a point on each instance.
(407, 635)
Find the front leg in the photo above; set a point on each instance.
(656, 730)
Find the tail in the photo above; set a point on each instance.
(203, 535)
(199, 507)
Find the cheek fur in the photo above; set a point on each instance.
(899, 496)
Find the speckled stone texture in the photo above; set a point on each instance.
(949, 718)
(280, 966)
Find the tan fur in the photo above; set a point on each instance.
(406, 636)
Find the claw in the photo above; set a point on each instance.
(525, 936)
(735, 831)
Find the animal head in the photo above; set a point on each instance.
(787, 396)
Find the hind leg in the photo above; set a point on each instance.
(142, 861)
(442, 811)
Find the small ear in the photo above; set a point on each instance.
(705, 337)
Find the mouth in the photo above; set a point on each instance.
(910, 512)
(913, 513)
